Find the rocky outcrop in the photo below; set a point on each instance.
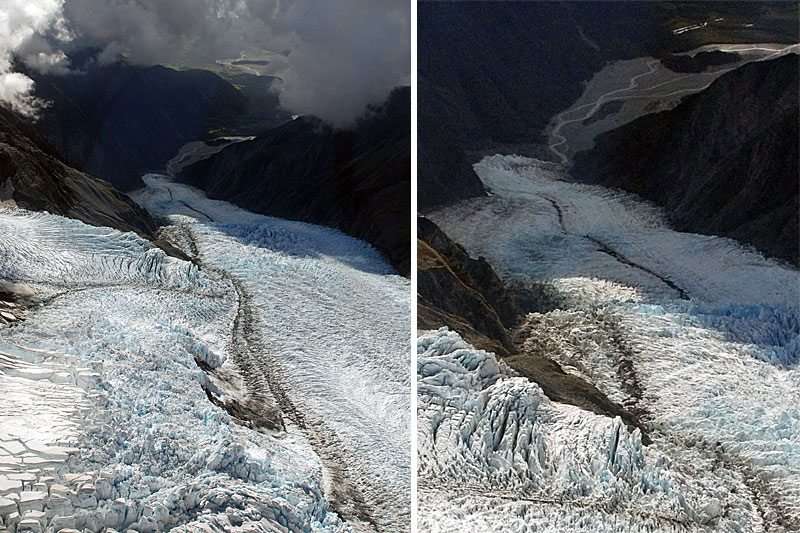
(12, 302)
(462, 293)
(121, 121)
(356, 180)
(35, 176)
(724, 162)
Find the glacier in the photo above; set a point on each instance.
(697, 335)
(261, 386)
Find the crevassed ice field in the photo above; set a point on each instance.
(263, 386)
(697, 334)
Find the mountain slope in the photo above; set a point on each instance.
(37, 177)
(443, 170)
(724, 162)
(355, 180)
(493, 74)
(97, 120)
(462, 293)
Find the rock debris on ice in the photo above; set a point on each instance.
(698, 335)
(106, 423)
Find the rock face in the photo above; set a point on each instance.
(37, 177)
(462, 293)
(97, 120)
(356, 180)
(724, 162)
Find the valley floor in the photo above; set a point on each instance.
(628, 89)
(261, 386)
(697, 335)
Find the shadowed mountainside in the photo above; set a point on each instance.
(492, 74)
(121, 121)
(37, 177)
(356, 180)
(723, 162)
(443, 169)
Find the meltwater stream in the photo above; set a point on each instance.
(697, 334)
(261, 386)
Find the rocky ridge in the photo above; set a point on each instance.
(462, 293)
(724, 162)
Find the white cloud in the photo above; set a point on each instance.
(15, 89)
(21, 22)
(341, 55)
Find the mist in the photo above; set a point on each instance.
(332, 58)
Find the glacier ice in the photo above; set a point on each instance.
(105, 407)
(495, 438)
(698, 335)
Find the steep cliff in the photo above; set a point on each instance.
(724, 162)
(462, 293)
(356, 180)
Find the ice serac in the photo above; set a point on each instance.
(696, 336)
(495, 452)
(34, 175)
(107, 421)
(724, 162)
(356, 180)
